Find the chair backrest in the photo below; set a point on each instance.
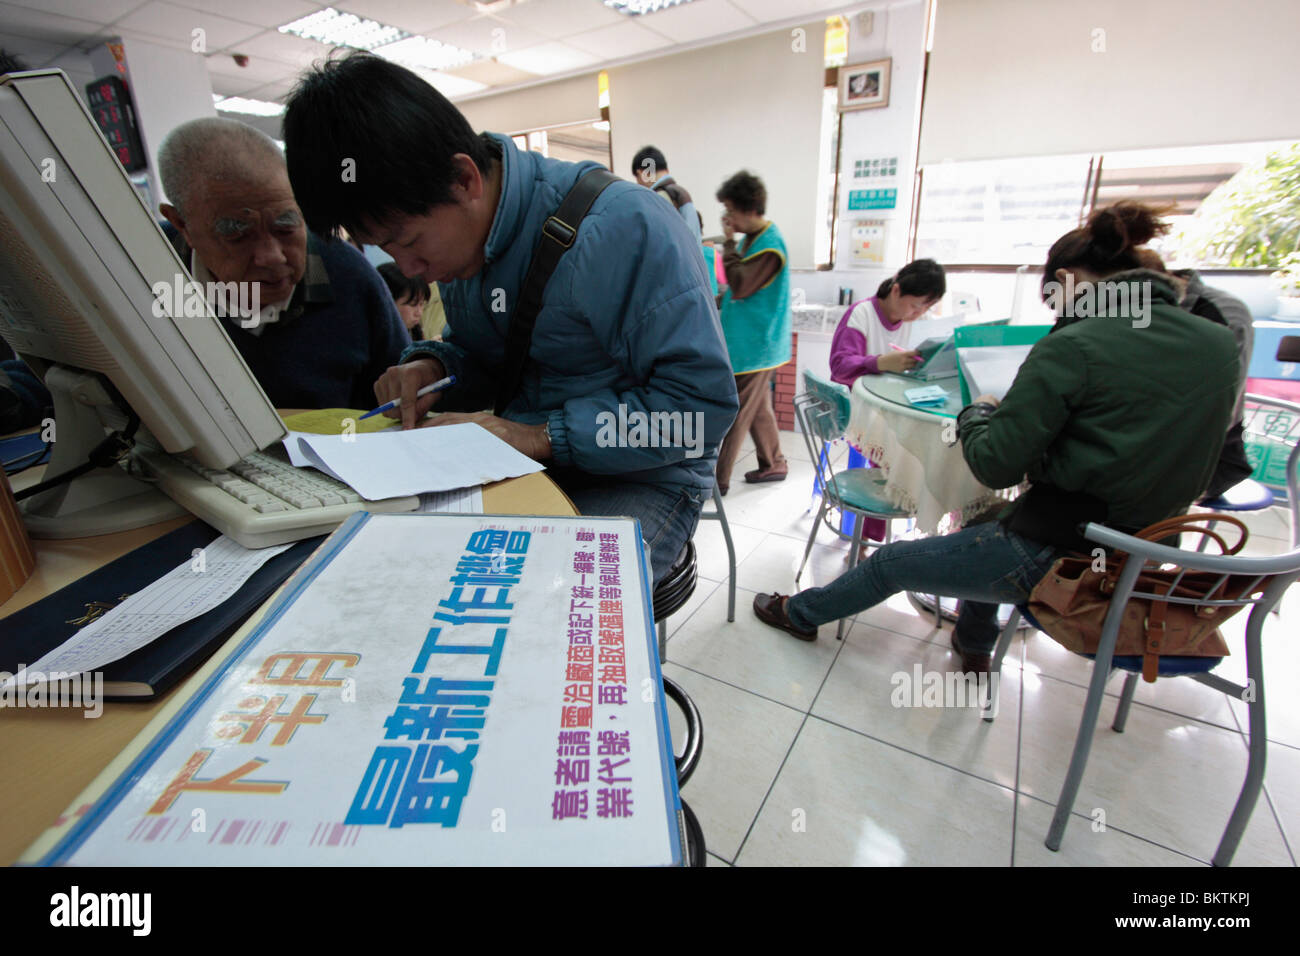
(1266, 577)
(1272, 436)
(821, 421)
(836, 396)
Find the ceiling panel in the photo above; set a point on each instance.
(258, 70)
(263, 13)
(101, 11)
(699, 20)
(620, 40)
(769, 10)
(562, 18)
(176, 24)
(546, 59)
(413, 16)
(283, 48)
(34, 53)
(232, 85)
(50, 27)
(487, 36)
(448, 85)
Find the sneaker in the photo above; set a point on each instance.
(971, 663)
(770, 609)
(760, 475)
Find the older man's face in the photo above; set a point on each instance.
(250, 231)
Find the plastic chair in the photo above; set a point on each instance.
(823, 413)
(719, 514)
(1282, 569)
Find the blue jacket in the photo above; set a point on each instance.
(627, 319)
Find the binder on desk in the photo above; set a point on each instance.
(29, 634)
(428, 690)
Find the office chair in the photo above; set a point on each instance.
(1277, 572)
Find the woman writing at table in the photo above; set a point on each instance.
(1116, 416)
(868, 339)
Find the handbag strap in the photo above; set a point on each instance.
(1197, 524)
(558, 234)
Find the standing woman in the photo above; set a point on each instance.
(863, 338)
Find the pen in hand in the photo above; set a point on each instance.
(438, 386)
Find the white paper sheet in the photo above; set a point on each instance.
(193, 588)
(396, 463)
(992, 369)
(467, 501)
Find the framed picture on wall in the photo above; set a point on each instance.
(865, 86)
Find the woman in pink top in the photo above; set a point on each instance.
(863, 338)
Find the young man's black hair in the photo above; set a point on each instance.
(389, 149)
(656, 165)
(745, 191)
(11, 64)
(401, 286)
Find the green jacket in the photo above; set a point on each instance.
(1128, 409)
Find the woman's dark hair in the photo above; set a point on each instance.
(1109, 243)
(658, 163)
(923, 278)
(745, 191)
(366, 140)
(413, 288)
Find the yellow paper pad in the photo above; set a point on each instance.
(329, 421)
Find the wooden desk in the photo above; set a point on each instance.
(51, 755)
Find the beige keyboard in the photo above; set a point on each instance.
(262, 500)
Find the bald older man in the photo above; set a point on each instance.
(324, 326)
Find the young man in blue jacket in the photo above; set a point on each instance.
(627, 390)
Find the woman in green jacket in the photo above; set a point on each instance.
(1117, 416)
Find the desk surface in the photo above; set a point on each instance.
(51, 755)
(890, 387)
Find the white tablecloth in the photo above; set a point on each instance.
(919, 453)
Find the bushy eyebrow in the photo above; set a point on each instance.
(229, 228)
(287, 219)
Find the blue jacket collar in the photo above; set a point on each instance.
(517, 186)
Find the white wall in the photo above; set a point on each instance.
(751, 104)
(1054, 77)
(572, 100)
(168, 87)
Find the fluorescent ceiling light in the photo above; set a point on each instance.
(636, 8)
(415, 51)
(237, 104)
(331, 27)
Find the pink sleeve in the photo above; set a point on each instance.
(849, 358)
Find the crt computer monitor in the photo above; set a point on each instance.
(80, 258)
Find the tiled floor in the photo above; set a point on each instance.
(808, 762)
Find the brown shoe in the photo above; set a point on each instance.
(760, 475)
(770, 609)
(971, 663)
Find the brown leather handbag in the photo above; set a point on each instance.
(1071, 601)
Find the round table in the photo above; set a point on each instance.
(917, 449)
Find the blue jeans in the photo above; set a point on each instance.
(985, 565)
(668, 513)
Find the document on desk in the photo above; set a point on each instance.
(991, 370)
(211, 576)
(429, 690)
(391, 464)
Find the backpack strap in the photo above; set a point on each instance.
(558, 234)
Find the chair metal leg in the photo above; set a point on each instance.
(1205, 538)
(1082, 746)
(1125, 702)
(731, 552)
(858, 522)
(812, 535)
(663, 641)
(1254, 781)
(1004, 642)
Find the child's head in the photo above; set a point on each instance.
(913, 291)
(409, 294)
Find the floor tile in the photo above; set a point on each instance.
(846, 800)
(745, 740)
(751, 655)
(1087, 842)
(907, 693)
(1168, 779)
